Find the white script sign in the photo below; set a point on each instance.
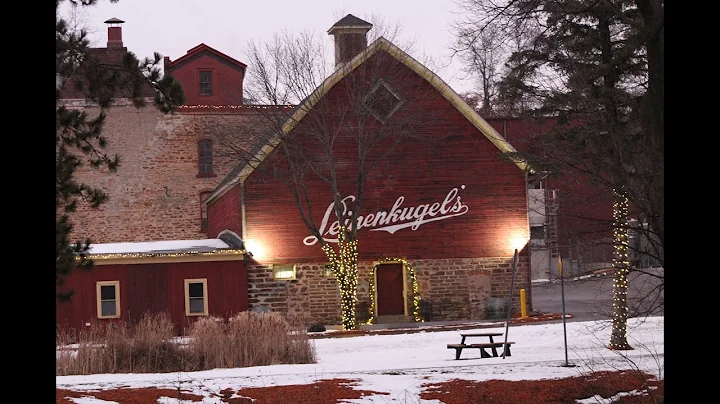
(397, 218)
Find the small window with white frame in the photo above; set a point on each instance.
(108, 299)
(196, 298)
(284, 272)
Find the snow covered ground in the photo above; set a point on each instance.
(399, 363)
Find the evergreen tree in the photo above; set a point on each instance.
(78, 134)
(597, 66)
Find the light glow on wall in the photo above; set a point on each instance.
(255, 248)
(518, 242)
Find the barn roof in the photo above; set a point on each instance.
(244, 169)
(350, 21)
(173, 250)
(205, 48)
(170, 246)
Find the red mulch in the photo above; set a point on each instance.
(554, 391)
(147, 395)
(541, 317)
(323, 391)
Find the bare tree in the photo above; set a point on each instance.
(78, 19)
(484, 45)
(483, 55)
(328, 141)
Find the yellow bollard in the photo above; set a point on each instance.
(523, 310)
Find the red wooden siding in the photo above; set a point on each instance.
(585, 210)
(225, 213)
(451, 154)
(151, 277)
(227, 80)
(83, 307)
(156, 288)
(226, 285)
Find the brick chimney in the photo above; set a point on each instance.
(350, 38)
(166, 64)
(114, 33)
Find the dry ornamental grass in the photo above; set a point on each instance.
(248, 339)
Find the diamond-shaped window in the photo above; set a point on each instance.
(382, 101)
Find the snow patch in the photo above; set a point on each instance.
(167, 246)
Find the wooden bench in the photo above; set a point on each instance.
(483, 353)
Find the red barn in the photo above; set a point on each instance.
(208, 76)
(442, 214)
(183, 278)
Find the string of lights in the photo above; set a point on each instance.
(621, 265)
(416, 291)
(344, 266)
(161, 255)
(180, 107)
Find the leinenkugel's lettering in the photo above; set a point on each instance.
(399, 217)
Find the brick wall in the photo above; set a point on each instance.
(155, 194)
(459, 289)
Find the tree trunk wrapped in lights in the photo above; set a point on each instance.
(344, 266)
(621, 265)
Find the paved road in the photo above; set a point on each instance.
(591, 298)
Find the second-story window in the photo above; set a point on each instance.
(205, 157)
(206, 83)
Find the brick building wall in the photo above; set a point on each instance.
(155, 193)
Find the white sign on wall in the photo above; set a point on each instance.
(397, 218)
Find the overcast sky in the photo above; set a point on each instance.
(172, 27)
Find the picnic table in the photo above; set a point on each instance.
(481, 346)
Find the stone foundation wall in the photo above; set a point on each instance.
(457, 289)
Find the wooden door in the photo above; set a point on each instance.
(390, 300)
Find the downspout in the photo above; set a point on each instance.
(243, 232)
(242, 210)
(528, 250)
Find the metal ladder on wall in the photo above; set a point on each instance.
(551, 211)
